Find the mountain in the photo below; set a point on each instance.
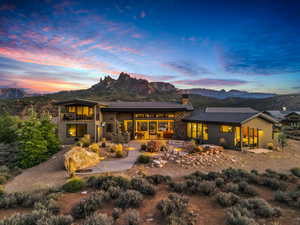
(9, 93)
(222, 94)
(127, 88)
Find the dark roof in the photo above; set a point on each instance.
(78, 101)
(280, 115)
(146, 106)
(227, 117)
(231, 110)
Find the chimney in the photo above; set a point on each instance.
(185, 99)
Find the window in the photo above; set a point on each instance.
(226, 129)
(109, 127)
(128, 125)
(189, 125)
(142, 125)
(162, 126)
(205, 132)
(76, 130)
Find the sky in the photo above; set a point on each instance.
(48, 46)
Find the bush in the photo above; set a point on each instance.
(55, 220)
(153, 146)
(143, 159)
(95, 148)
(273, 183)
(1, 191)
(236, 217)
(74, 185)
(175, 204)
(98, 219)
(158, 179)
(116, 213)
(178, 187)
(132, 217)
(129, 199)
(114, 192)
(260, 208)
(227, 199)
(88, 206)
(289, 198)
(143, 186)
(220, 182)
(296, 171)
(3, 179)
(105, 182)
(246, 189)
(231, 187)
(207, 187)
(143, 147)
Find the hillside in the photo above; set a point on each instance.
(9, 93)
(126, 88)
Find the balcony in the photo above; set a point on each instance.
(74, 116)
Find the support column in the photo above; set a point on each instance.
(95, 126)
(241, 137)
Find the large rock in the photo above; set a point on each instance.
(79, 158)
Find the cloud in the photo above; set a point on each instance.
(266, 52)
(211, 82)
(136, 35)
(187, 68)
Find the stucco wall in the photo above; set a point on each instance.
(215, 135)
(265, 136)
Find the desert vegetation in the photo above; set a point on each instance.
(236, 197)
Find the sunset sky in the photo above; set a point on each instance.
(48, 46)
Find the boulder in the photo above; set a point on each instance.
(79, 158)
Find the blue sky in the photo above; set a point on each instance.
(47, 46)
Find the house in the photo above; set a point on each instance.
(142, 120)
(286, 118)
(235, 128)
(232, 127)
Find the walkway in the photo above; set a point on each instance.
(120, 164)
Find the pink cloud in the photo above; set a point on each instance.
(136, 35)
(211, 82)
(82, 43)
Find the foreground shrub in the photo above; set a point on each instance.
(178, 187)
(88, 206)
(158, 179)
(132, 217)
(105, 182)
(153, 146)
(143, 159)
(74, 185)
(143, 186)
(273, 183)
(238, 217)
(296, 171)
(291, 198)
(227, 199)
(116, 213)
(207, 187)
(37, 217)
(129, 199)
(114, 192)
(94, 148)
(98, 219)
(246, 189)
(175, 204)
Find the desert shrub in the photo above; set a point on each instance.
(179, 187)
(207, 187)
(132, 217)
(143, 159)
(289, 198)
(104, 182)
(236, 217)
(153, 146)
(227, 199)
(86, 140)
(198, 175)
(116, 213)
(143, 147)
(231, 187)
(143, 186)
(98, 219)
(175, 204)
(235, 175)
(94, 147)
(273, 183)
(50, 205)
(296, 171)
(37, 217)
(114, 192)
(129, 199)
(1, 191)
(260, 208)
(220, 182)
(246, 189)
(158, 179)
(88, 206)
(74, 185)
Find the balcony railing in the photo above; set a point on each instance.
(73, 116)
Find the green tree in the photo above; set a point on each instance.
(8, 128)
(32, 144)
(48, 130)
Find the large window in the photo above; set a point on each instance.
(81, 112)
(142, 126)
(76, 130)
(197, 130)
(226, 129)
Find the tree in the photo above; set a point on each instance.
(32, 144)
(8, 128)
(48, 130)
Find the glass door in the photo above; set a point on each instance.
(153, 130)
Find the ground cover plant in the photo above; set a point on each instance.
(233, 195)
